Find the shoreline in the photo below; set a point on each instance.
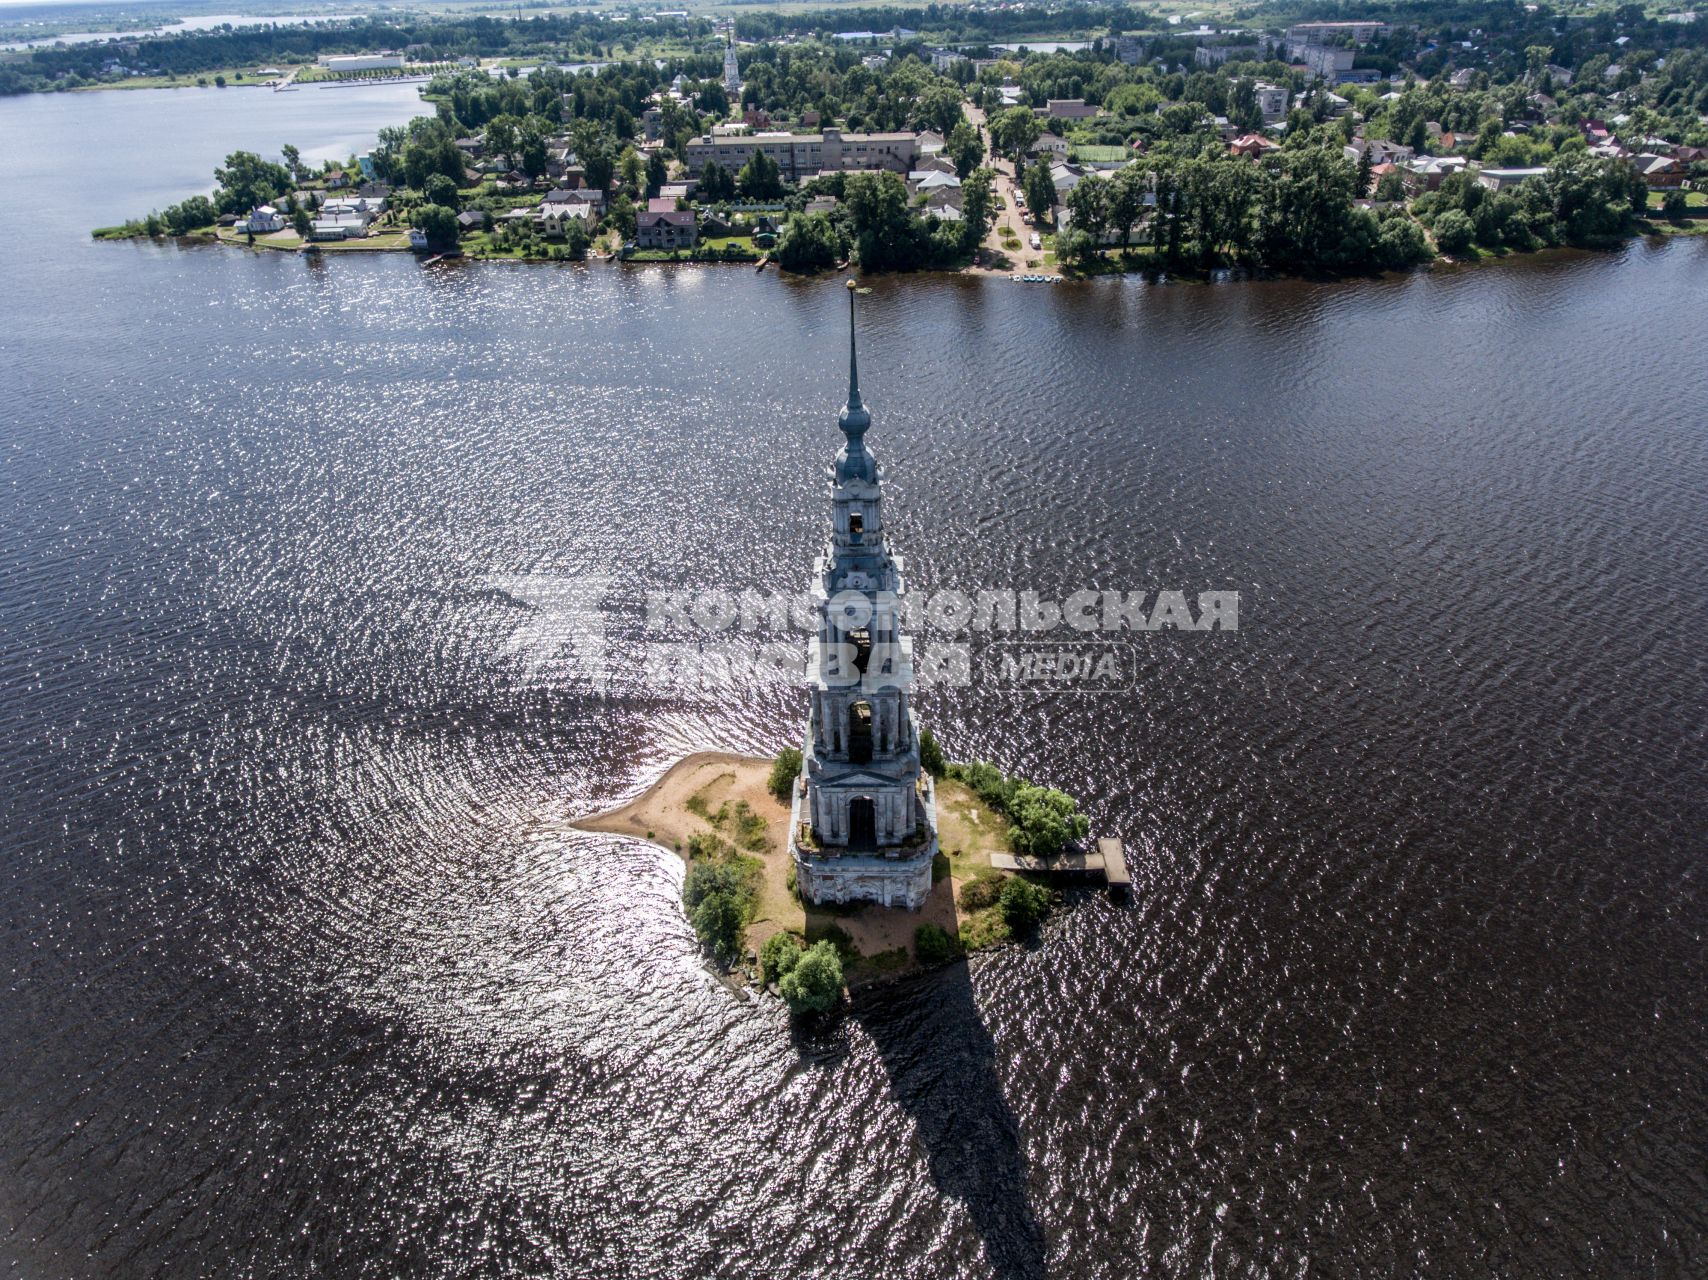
(877, 942)
(1647, 228)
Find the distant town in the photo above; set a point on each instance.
(1366, 143)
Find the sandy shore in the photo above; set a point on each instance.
(883, 935)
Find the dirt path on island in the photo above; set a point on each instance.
(662, 815)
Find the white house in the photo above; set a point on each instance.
(264, 219)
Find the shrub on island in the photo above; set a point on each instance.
(720, 893)
(1022, 904)
(1042, 821)
(778, 957)
(934, 945)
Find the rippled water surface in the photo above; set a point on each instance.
(302, 976)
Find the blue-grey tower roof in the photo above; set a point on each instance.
(854, 462)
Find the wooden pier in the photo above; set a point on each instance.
(1108, 860)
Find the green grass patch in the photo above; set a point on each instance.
(892, 961)
(1693, 200)
(836, 935)
(983, 930)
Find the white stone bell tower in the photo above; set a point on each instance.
(732, 73)
(864, 819)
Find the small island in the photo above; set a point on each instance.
(720, 810)
(862, 849)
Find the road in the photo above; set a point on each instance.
(1026, 259)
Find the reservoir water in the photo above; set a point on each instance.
(303, 976)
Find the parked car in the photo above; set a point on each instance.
(1036, 242)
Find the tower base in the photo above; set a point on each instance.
(827, 874)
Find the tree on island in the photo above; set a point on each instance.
(784, 770)
(293, 161)
(1043, 821)
(814, 983)
(718, 923)
(930, 754)
(438, 223)
(301, 223)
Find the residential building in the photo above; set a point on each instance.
(1424, 173)
(1304, 33)
(1069, 109)
(339, 226)
(1327, 61)
(1380, 150)
(937, 188)
(264, 220)
(1660, 172)
(556, 210)
(1214, 55)
(1127, 49)
(1271, 101)
(802, 155)
(1253, 146)
(1065, 177)
(665, 229)
(1501, 179)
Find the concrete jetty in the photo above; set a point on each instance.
(1108, 860)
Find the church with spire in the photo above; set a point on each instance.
(863, 819)
(732, 73)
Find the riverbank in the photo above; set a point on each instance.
(699, 796)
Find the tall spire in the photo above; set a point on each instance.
(854, 419)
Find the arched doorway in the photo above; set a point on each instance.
(862, 823)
